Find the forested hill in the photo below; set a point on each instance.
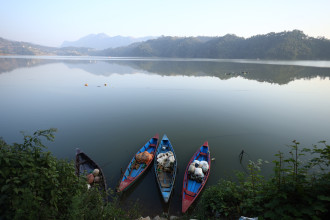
(292, 45)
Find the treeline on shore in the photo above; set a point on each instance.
(288, 45)
(291, 45)
(36, 185)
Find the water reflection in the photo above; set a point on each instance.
(221, 102)
(278, 72)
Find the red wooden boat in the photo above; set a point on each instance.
(192, 187)
(133, 172)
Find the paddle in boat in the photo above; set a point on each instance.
(139, 164)
(165, 167)
(86, 166)
(196, 175)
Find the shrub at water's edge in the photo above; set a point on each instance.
(36, 185)
(296, 190)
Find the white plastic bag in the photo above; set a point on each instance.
(199, 172)
(171, 159)
(191, 168)
(170, 153)
(166, 159)
(197, 163)
(160, 155)
(161, 161)
(205, 166)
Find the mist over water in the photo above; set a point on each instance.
(258, 106)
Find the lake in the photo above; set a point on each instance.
(251, 105)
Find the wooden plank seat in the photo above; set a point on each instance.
(167, 189)
(189, 193)
(164, 179)
(82, 162)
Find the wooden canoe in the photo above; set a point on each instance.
(165, 176)
(192, 188)
(85, 165)
(133, 172)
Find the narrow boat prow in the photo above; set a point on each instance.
(156, 137)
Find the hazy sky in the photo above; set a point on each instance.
(50, 22)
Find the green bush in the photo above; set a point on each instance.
(36, 185)
(296, 190)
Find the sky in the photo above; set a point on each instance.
(49, 22)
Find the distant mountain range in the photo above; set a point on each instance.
(8, 47)
(288, 45)
(103, 41)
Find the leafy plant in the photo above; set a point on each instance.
(298, 189)
(36, 185)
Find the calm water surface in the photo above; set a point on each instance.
(258, 106)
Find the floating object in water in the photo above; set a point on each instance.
(86, 84)
(213, 159)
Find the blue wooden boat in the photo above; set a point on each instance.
(165, 175)
(135, 170)
(191, 187)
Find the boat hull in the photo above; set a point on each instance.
(192, 188)
(165, 180)
(132, 174)
(85, 165)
